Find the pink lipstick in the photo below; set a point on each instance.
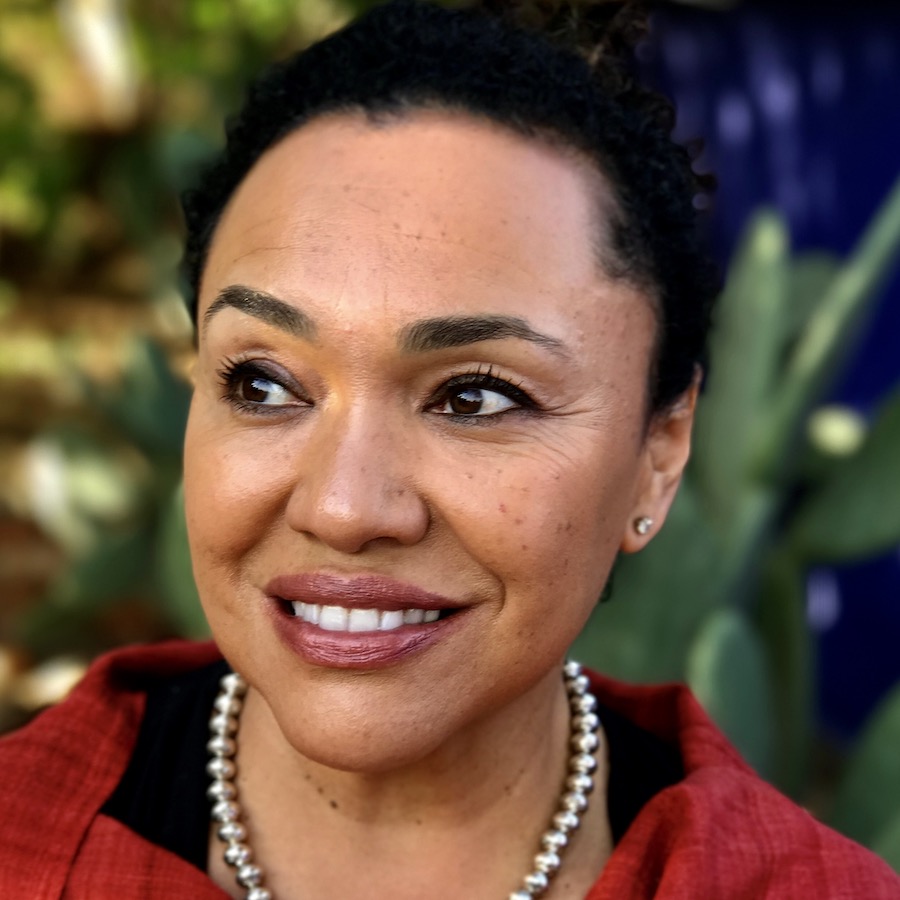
(361, 621)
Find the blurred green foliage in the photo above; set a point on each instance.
(106, 113)
(776, 484)
(95, 348)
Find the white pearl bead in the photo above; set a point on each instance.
(579, 684)
(584, 763)
(585, 743)
(238, 854)
(225, 811)
(221, 769)
(580, 782)
(573, 802)
(249, 875)
(572, 669)
(219, 745)
(566, 821)
(586, 722)
(227, 705)
(221, 790)
(232, 683)
(554, 841)
(223, 724)
(232, 832)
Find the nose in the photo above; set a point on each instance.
(356, 483)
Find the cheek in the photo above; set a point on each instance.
(234, 487)
(548, 520)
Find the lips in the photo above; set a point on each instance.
(356, 592)
(357, 622)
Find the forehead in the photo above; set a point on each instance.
(443, 206)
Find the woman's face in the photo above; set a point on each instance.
(417, 397)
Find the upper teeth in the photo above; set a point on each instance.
(338, 618)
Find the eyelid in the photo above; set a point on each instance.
(485, 379)
(234, 369)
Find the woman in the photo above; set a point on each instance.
(450, 312)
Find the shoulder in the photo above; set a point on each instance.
(722, 827)
(59, 770)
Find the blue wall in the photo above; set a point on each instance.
(800, 108)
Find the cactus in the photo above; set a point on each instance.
(718, 598)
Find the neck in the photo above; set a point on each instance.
(473, 808)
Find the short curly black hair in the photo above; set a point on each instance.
(548, 69)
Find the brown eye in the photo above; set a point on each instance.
(467, 402)
(248, 386)
(475, 401)
(255, 389)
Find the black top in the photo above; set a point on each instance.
(162, 795)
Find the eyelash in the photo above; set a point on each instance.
(233, 371)
(483, 379)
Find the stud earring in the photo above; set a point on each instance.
(643, 524)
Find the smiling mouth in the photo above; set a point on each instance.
(359, 622)
(340, 618)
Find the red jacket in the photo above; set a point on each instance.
(720, 834)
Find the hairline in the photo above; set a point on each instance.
(606, 203)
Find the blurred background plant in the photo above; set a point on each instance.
(777, 484)
(106, 111)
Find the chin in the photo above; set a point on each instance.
(360, 741)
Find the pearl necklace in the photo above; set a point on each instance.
(573, 802)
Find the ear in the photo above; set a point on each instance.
(665, 453)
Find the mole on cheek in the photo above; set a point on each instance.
(502, 507)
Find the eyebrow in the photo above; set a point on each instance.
(262, 306)
(457, 331)
(439, 333)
